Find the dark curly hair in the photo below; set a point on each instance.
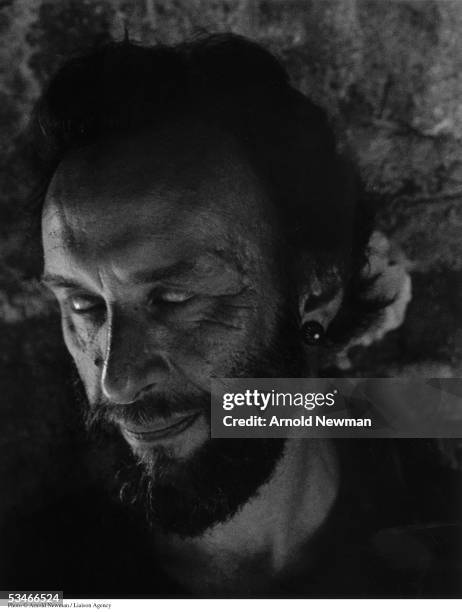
(235, 84)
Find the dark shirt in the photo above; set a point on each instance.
(393, 532)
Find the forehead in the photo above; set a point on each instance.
(181, 188)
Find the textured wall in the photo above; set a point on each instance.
(390, 75)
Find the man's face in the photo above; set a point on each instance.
(161, 253)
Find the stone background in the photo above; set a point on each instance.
(390, 75)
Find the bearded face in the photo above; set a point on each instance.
(163, 261)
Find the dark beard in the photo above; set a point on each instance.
(187, 497)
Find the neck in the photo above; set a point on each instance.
(268, 535)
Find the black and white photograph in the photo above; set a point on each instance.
(207, 207)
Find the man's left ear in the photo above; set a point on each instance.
(319, 303)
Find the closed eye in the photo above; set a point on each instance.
(84, 304)
(169, 297)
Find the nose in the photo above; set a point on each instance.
(132, 363)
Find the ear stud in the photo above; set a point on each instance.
(313, 333)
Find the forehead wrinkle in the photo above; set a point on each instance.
(60, 227)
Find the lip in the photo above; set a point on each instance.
(150, 432)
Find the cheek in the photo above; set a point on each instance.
(221, 336)
(80, 342)
(79, 336)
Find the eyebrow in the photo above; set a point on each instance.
(57, 280)
(142, 277)
(145, 277)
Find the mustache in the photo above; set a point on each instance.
(104, 412)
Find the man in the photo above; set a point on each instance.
(197, 222)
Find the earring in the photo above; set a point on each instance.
(313, 333)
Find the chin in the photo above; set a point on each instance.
(179, 446)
